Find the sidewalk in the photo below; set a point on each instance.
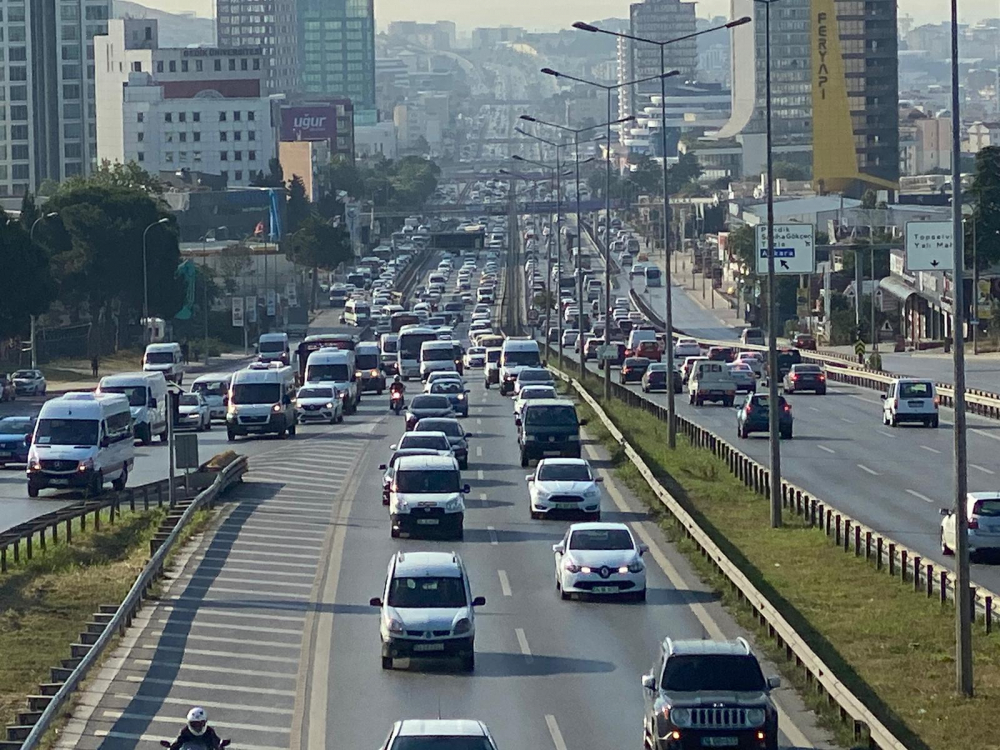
(73, 378)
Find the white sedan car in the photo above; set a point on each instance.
(983, 510)
(319, 403)
(687, 347)
(29, 383)
(600, 559)
(194, 412)
(475, 357)
(564, 485)
(530, 392)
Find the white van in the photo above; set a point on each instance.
(711, 381)
(214, 388)
(357, 312)
(147, 400)
(82, 440)
(338, 367)
(910, 400)
(367, 362)
(165, 358)
(273, 347)
(516, 355)
(436, 356)
(261, 400)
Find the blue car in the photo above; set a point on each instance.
(456, 392)
(15, 439)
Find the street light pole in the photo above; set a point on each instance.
(33, 319)
(145, 281)
(963, 601)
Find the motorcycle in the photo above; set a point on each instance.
(396, 401)
(191, 745)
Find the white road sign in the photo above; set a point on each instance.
(794, 248)
(250, 309)
(930, 246)
(237, 312)
(271, 302)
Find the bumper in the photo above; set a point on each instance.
(980, 542)
(594, 584)
(322, 415)
(695, 739)
(420, 525)
(566, 509)
(273, 425)
(492, 377)
(427, 648)
(544, 449)
(714, 396)
(916, 417)
(77, 479)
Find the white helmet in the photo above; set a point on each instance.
(197, 721)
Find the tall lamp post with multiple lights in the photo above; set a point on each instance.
(33, 319)
(609, 88)
(668, 343)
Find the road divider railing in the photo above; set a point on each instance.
(48, 706)
(980, 402)
(865, 724)
(30, 537)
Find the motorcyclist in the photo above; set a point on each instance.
(197, 732)
(397, 385)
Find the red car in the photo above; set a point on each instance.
(804, 341)
(648, 349)
(721, 354)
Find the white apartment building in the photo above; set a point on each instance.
(202, 109)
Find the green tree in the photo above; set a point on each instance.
(318, 244)
(29, 211)
(114, 175)
(787, 170)
(274, 178)
(687, 169)
(341, 174)
(26, 285)
(985, 191)
(647, 175)
(298, 208)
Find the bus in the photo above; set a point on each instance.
(322, 341)
(402, 318)
(411, 338)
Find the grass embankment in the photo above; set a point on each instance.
(46, 602)
(892, 647)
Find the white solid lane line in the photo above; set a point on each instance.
(870, 471)
(824, 448)
(210, 686)
(557, 738)
(983, 469)
(848, 421)
(522, 641)
(920, 496)
(928, 448)
(504, 582)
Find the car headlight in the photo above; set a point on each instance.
(329, 404)
(592, 491)
(463, 626)
(395, 625)
(635, 566)
(276, 408)
(454, 504)
(541, 494)
(34, 465)
(570, 566)
(461, 397)
(756, 716)
(680, 717)
(85, 465)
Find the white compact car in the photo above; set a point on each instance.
(449, 732)
(687, 347)
(319, 403)
(194, 412)
(475, 357)
(426, 496)
(910, 400)
(600, 559)
(29, 383)
(427, 609)
(564, 485)
(531, 392)
(983, 510)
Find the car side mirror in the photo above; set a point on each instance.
(517, 422)
(649, 682)
(164, 743)
(479, 601)
(383, 467)
(225, 400)
(643, 549)
(152, 403)
(468, 435)
(529, 478)
(598, 479)
(393, 446)
(466, 489)
(225, 743)
(375, 601)
(583, 422)
(559, 549)
(945, 512)
(882, 397)
(774, 681)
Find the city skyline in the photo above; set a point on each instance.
(561, 13)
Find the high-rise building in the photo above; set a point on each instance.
(338, 49)
(269, 25)
(659, 20)
(47, 120)
(834, 90)
(199, 109)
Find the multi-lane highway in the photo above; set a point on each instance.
(892, 479)
(267, 623)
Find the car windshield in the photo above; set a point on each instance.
(336, 373)
(551, 416)
(271, 346)
(980, 508)
(256, 393)
(446, 386)
(136, 393)
(522, 358)
(315, 393)
(600, 539)
(66, 432)
(429, 403)
(415, 480)
(437, 354)
(809, 369)
(25, 374)
(159, 358)
(563, 473)
(390, 346)
(537, 391)
(428, 742)
(916, 390)
(16, 425)
(712, 672)
(423, 440)
(474, 350)
(493, 357)
(447, 426)
(367, 361)
(189, 399)
(429, 592)
(211, 388)
(535, 376)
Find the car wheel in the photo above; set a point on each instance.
(640, 596)
(787, 434)
(32, 490)
(144, 434)
(934, 422)
(120, 482)
(893, 422)
(464, 464)
(524, 460)
(96, 486)
(230, 436)
(208, 423)
(536, 516)
(563, 595)
(394, 533)
(821, 392)
(291, 430)
(386, 662)
(469, 662)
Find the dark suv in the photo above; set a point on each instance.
(708, 694)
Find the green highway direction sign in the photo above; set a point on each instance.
(794, 249)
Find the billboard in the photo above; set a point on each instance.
(316, 122)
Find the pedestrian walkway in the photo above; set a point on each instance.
(73, 378)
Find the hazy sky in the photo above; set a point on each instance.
(554, 14)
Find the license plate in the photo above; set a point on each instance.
(5, 454)
(428, 521)
(915, 404)
(565, 506)
(59, 482)
(550, 453)
(429, 647)
(552, 438)
(255, 429)
(720, 741)
(605, 589)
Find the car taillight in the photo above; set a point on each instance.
(795, 377)
(749, 410)
(937, 401)
(973, 523)
(787, 407)
(895, 403)
(822, 377)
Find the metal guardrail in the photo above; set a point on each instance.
(820, 674)
(46, 526)
(131, 603)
